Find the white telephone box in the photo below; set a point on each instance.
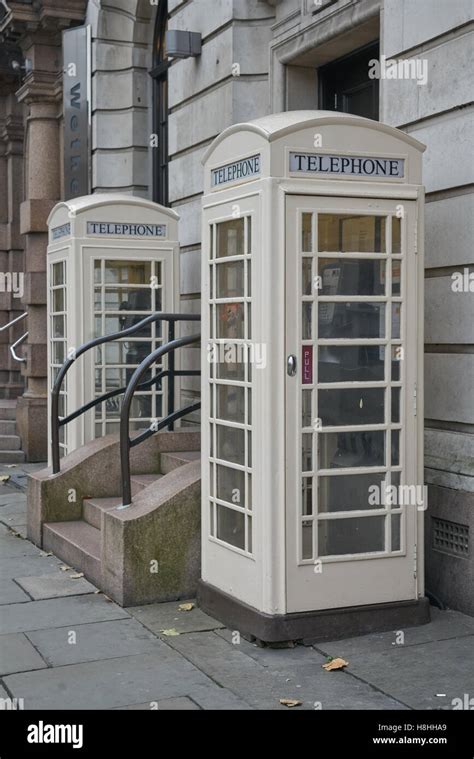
(112, 260)
(312, 377)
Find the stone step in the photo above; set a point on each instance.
(12, 457)
(173, 460)
(77, 544)
(7, 409)
(7, 427)
(93, 507)
(10, 443)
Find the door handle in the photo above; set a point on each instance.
(291, 366)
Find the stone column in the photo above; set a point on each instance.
(41, 94)
(11, 242)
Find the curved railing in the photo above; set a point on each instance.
(126, 443)
(171, 373)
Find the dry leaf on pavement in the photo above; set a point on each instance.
(76, 577)
(4, 477)
(171, 632)
(290, 702)
(335, 664)
(185, 607)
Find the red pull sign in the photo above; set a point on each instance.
(307, 364)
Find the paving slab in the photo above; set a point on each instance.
(12, 518)
(110, 683)
(11, 546)
(28, 565)
(165, 705)
(18, 655)
(444, 625)
(158, 617)
(11, 593)
(100, 640)
(11, 496)
(263, 687)
(266, 655)
(58, 612)
(55, 585)
(415, 674)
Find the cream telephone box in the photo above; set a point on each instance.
(312, 377)
(112, 260)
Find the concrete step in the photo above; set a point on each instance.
(92, 509)
(12, 457)
(10, 443)
(171, 461)
(141, 481)
(7, 427)
(77, 544)
(7, 409)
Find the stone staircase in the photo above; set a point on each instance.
(10, 443)
(147, 552)
(78, 543)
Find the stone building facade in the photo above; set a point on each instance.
(258, 57)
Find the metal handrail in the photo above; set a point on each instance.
(125, 442)
(14, 321)
(15, 345)
(57, 423)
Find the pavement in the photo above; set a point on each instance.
(64, 645)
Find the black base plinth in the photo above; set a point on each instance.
(311, 626)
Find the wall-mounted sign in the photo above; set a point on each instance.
(238, 170)
(307, 360)
(76, 97)
(347, 165)
(113, 229)
(63, 231)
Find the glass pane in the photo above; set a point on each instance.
(128, 272)
(396, 235)
(230, 321)
(230, 280)
(349, 363)
(306, 408)
(307, 237)
(351, 320)
(97, 271)
(307, 321)
(350, 492)
(125, 299)
(346, 233)
(396, 533)
(307, 453)
(350, 407)
(57, 277)
(249, 234)
(351, 449)
(230, 403)
(307, 540)
(396, 276)
(230, 526)
(395, 447)
(354, 535)
(59, 303)
(230, 444)
(249, 279)
(396, 405)
(307, 496)
(307, 266)
(230, 364)
(397, 353)
(396, 316)
(355, 277)
(59, 326)
(58, 350)
(230, 238)
(249, 534)
(230, 485)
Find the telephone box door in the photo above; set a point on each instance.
(351, 316)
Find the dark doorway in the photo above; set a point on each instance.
(159, 74)
(345, 85)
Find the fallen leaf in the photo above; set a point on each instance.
(290, 702)
(4, 477)
(10, 466)
(170, 633)
(96, 592)
(16, 534)
(76, 577)
(42, 555)
(335, 664)
(64, 568)
(185, 607)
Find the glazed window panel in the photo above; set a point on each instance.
(346, 233)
